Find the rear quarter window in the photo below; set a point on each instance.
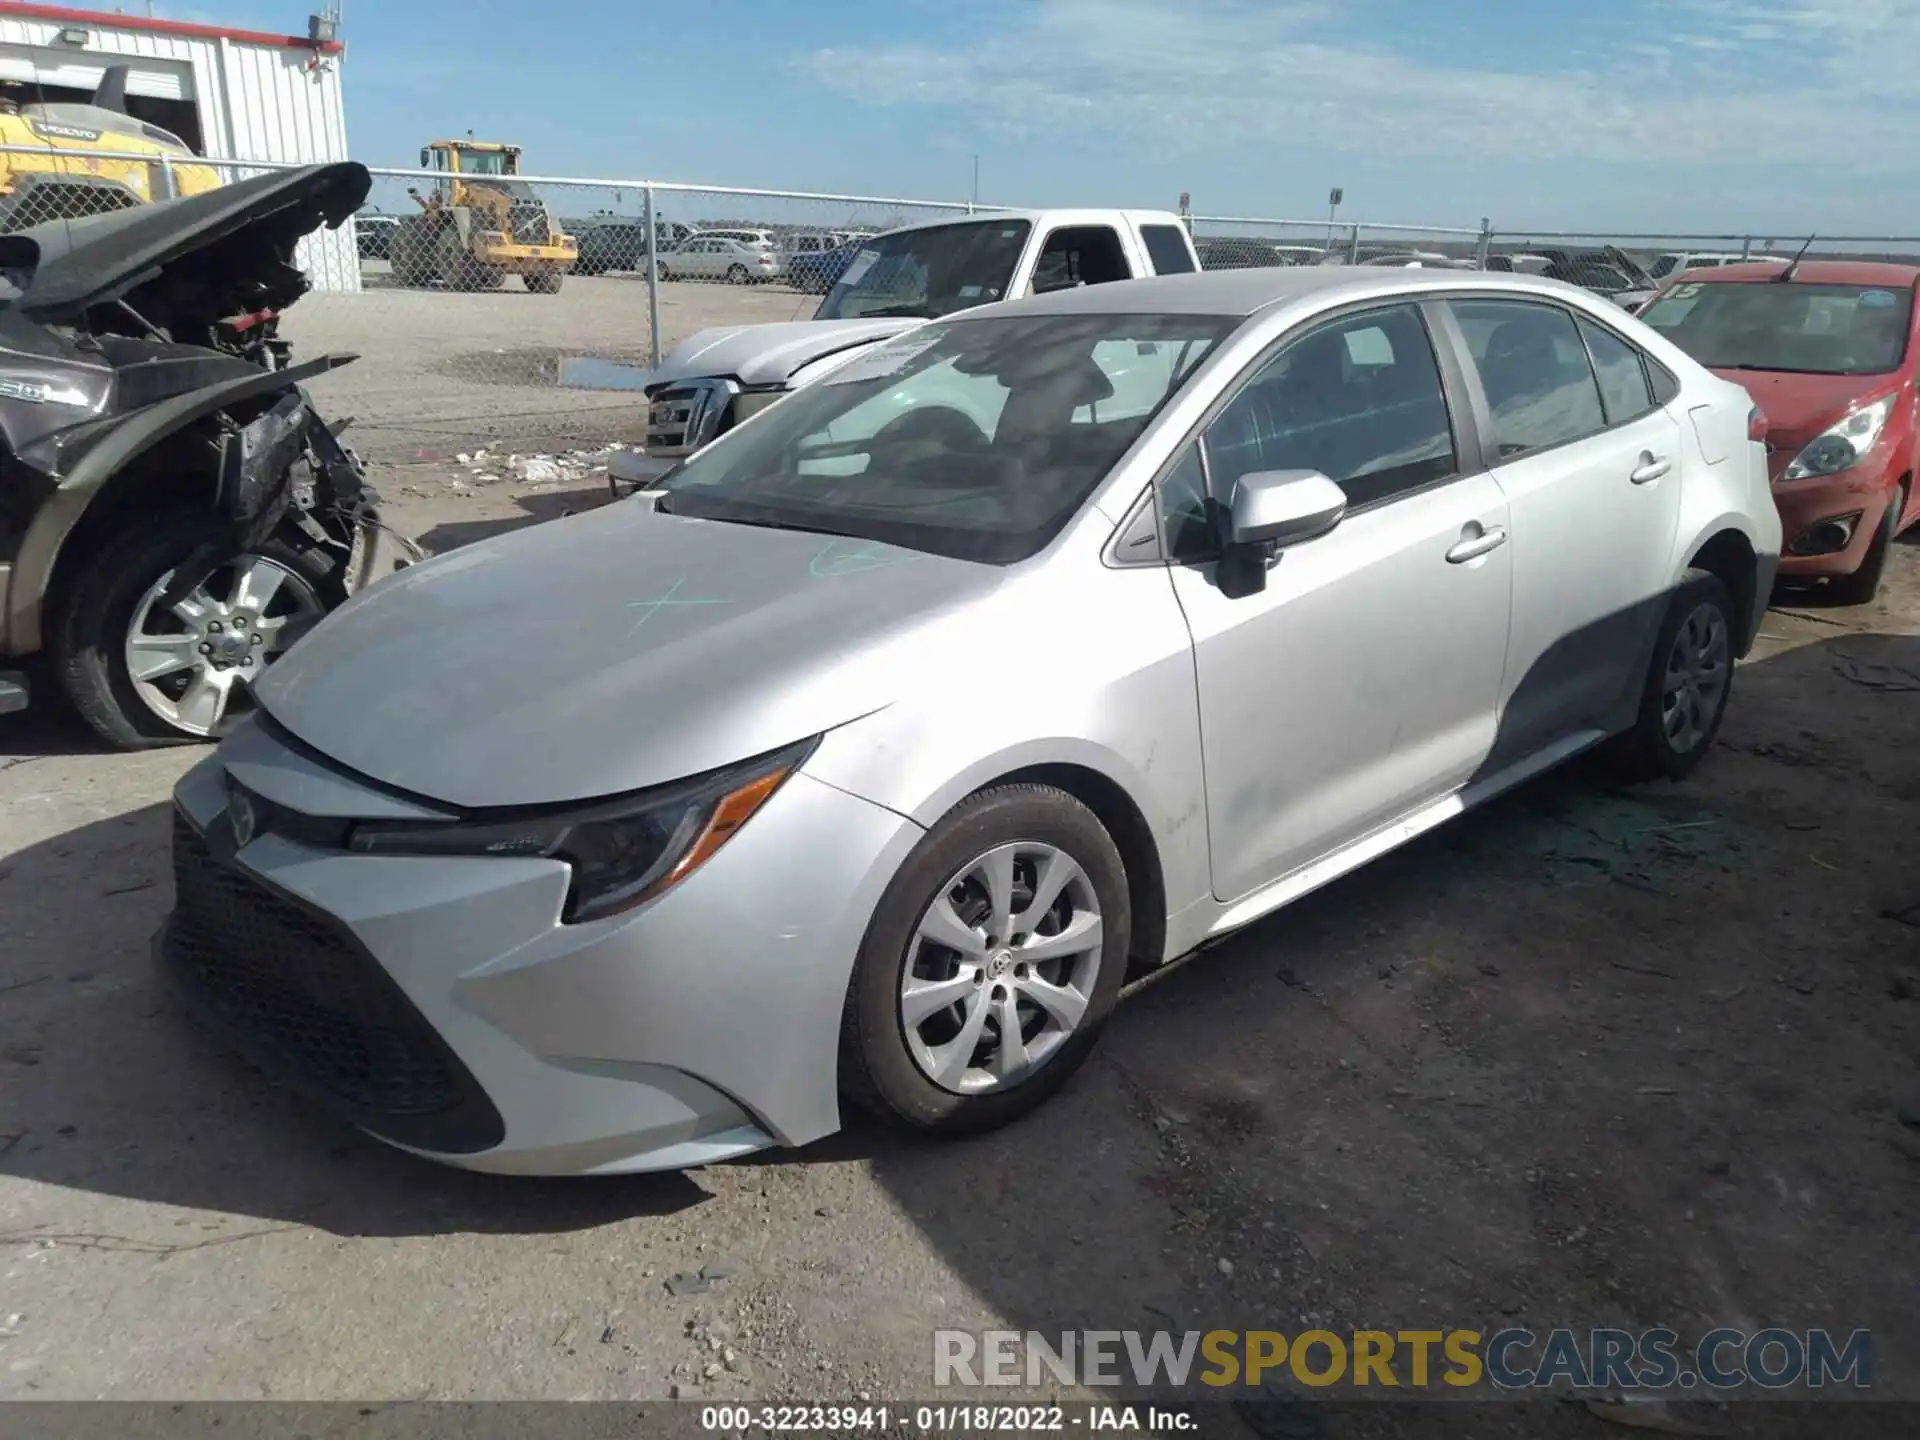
(1167, 249)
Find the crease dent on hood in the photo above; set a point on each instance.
(769, 354)
(609, 652)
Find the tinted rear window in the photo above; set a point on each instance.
(1801, 328)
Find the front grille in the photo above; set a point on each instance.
(308, 1004)
(527, 222)
(667, 420)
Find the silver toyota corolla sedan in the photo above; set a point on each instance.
(863, 758)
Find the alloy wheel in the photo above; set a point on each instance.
(191, 662)
(1001, 967)
(1699, 664)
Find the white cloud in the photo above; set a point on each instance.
(1709, 82)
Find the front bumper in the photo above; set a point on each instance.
(506, 252)
(439, 1004)
(1866, 491)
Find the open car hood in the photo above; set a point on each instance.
(190, 261)
(1631, 268)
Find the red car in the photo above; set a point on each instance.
(1826, 348)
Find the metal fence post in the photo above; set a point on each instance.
(653, 279)
(1353, 247)
(1485, 247)
(1746, 248)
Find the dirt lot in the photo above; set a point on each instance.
(441, 373)
(1585, 1058)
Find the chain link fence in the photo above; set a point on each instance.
(535, 350)
(1240, 243)
(515, 329)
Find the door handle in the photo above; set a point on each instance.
(1474, 546)
(1652, 467)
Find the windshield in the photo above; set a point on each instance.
(928, 272)
(1806, 329)
(484, 162)
(977, 439)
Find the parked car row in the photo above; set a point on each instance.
(682, 252)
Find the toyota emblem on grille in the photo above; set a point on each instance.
(240, 814)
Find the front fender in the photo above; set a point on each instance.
(82, 460)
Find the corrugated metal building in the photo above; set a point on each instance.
(230, 94)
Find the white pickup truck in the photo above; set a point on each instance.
(898, 280)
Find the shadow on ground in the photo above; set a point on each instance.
(535, 509)
(108, 1087)
(1586, 1057)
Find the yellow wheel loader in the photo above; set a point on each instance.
(479, 224)
(60, 172)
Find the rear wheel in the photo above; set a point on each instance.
(1687, 686)
(991, 964)
(1863, 584)
(736, 274)
(544, 282)
(144, 674)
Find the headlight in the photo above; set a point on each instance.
(1842, 445)
(623, 852)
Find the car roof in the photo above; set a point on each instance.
(1247, 292)
(1038, 217)
(1815, 272)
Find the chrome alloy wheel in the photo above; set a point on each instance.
(186, 663)
(1694, 688)
(1001, 967)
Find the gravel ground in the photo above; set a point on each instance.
(1583, 1058)
(440, 373)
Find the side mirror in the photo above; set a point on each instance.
(1273, 509)
(1284, 507)
(426, 158)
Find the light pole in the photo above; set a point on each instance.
(971, 204)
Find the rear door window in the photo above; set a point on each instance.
(1534, 369)
(1167, 249)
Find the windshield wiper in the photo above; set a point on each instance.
(888, 312)
(1768, 369)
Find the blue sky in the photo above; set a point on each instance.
(1684, 115)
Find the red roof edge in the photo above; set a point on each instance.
(167, 27)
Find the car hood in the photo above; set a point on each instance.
(611, 651)
(1798, 406)
(769, 354)
(191, 261)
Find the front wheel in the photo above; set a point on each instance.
(1687, 686)
(990, 966)
(143, 674)
(544, 282)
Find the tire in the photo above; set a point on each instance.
(1662, 745)
(879, 1070)
(736, 275)
(543, 282)
(1863, 584)
(89, 630)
